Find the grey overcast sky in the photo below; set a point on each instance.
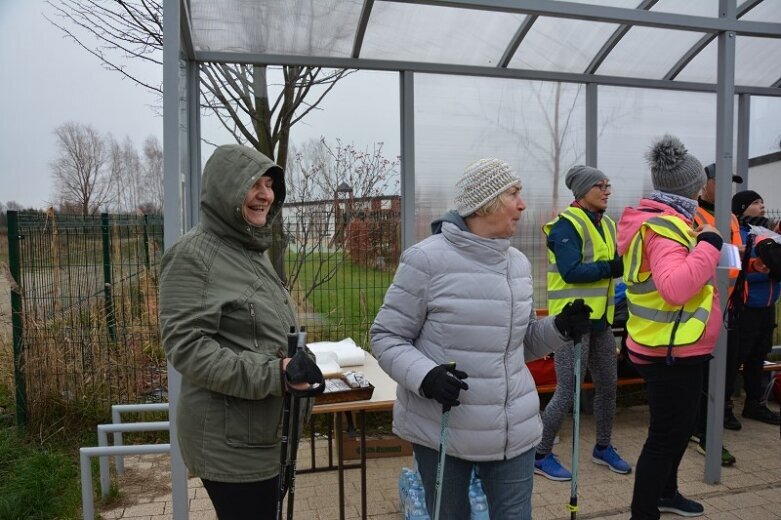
(48, 80)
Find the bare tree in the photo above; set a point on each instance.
(253, 110)
(321, 177)
(79, 171)
(153, 175)
(126, 181)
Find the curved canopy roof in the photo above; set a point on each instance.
(668, 44)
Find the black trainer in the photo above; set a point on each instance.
(760, 412)
(730, 421)
(680, 505)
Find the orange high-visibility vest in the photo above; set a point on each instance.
(703, 216)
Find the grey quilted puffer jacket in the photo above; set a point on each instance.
(459, 297)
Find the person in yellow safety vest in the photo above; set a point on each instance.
(705, 215)
(674, 320)
(582, 263)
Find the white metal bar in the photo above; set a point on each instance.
(85, 454)
(116, 418)
(105, 429)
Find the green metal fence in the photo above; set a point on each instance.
(85, 314)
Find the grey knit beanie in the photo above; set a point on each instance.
(580, 179)
(673, 169)
(481, 182)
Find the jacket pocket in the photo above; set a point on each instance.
(253, 423)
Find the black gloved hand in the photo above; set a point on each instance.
(573, 321)
(443, 383)
(769, 251)
(616, 267)
(303, 369)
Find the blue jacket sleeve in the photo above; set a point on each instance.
(566, 245)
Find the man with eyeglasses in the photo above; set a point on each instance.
(582, 263)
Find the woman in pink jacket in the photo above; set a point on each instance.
(674, 318)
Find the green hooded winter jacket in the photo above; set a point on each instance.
(224, 318)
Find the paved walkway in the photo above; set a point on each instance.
(749, 490)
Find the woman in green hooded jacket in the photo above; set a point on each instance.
(224, 318)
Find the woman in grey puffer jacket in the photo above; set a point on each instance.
(463, 295)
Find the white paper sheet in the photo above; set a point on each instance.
(348, 354)
(730, 257)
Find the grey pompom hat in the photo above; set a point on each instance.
(483, 180)
(673, 169)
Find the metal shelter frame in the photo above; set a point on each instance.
(181, 59)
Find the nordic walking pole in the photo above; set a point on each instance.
(292, 342)
(294, 437)
(573, 496)
(442, 445)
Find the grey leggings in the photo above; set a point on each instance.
(598, 354)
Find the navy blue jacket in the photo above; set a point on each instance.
(762, 291)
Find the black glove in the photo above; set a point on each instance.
(573, 321)
(769, 251)
(443, 383)
(616, 267)
(302, 369)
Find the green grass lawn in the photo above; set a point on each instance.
(346, 303)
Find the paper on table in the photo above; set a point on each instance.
(327, 363)
(347, 352)
(730, 257)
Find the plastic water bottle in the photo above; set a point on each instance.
(477, 500)
(416, 503)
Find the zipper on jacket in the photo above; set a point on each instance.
(254, 325)
(506, 351)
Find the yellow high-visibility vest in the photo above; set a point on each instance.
(599, 295)
(652, 321)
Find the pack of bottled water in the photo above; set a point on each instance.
(412, 497)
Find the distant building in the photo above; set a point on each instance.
(764, 177)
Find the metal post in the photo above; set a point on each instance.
(592, 125)
(744, 134)
(725, 94)
(15, 265)
(107, 281)
(174, 162)
(407, 103)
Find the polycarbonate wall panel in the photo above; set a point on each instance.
(757, 62)
(647, 52)
(461, 119)
(765, 133)
(765, 138)
(302, 27)
(435, 34)
(561, 44)
(630, 120)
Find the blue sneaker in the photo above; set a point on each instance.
(680, 505)
(610, 458)
(550, 467)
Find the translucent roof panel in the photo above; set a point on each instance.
(691, 7)
(437, 34)
(561, 44)
(299, 27)
(767, 11)
(757, 62)
(647, 52)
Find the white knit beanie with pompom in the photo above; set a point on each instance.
(481, 182)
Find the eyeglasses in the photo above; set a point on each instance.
(603, 186)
